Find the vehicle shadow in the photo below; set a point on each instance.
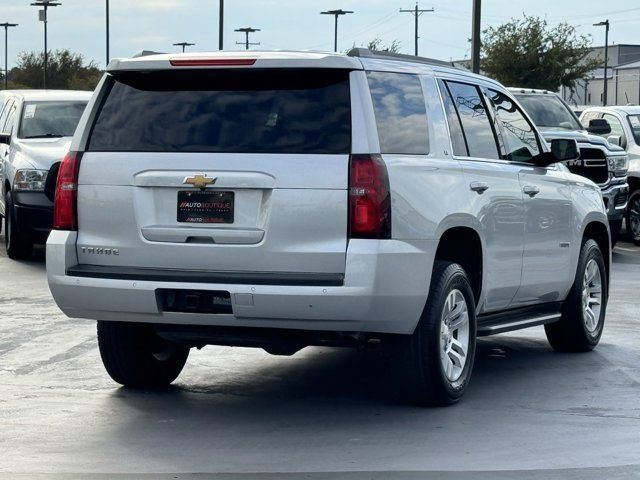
(349, 386)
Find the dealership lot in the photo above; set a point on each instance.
(322, 410)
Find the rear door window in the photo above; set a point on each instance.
(478, 132)
(248, 111)
(400, 111)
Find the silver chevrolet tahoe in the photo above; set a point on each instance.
(601, 161)
(285, 199)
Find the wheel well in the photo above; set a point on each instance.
(634, 184)
(462, 245)
(598, 232)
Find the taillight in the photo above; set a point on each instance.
(369, 198)
(65, 204)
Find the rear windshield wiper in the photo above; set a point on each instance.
(46, 135)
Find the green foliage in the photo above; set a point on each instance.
(376, 45)
(527, 52)
(65, 70)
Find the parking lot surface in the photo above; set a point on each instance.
(323, 410)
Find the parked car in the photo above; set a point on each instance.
(625, 132)
(599, 161)
(286, 199)
(36, 127)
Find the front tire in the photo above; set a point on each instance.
(135, 356)
(19, 246)
(633, 217)
(580, 327)
(433, 365)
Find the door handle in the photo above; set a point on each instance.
(479, 187)
(531, 190)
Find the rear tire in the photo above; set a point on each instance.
(433, 365)
(633, 217)
(135, 356)
(19, 246)
(580, 327)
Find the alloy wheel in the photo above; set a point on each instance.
(454, 335)
(591, 296)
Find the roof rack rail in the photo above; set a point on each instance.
(366, 53)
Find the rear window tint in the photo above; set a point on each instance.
(250, 111)
(401, 116)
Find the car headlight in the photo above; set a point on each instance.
(30, 180)
(619, 163)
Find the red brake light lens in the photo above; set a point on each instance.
(369, 198)
(65, 204)
(211, 62)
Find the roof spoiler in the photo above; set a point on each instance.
(146, 53)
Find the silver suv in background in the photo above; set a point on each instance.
(36, 127)
(604, 163)
(285, 199)
(625, 132)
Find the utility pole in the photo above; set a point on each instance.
(43, 18)
(221, 25)
(335, 13)
(183, 45)
(605, 24)
(416, 13)
(475, 37)
(107, 28)
(247, 31)
(6, 51)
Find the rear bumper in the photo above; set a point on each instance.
(615, 199)
(33, 214)
(384, 290)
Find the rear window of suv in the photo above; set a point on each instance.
(249, 111)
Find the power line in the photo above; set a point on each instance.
(416, 12)
(247, 31)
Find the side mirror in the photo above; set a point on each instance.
(599, 126)
(615, 140)
(562, 150)
(5, 138)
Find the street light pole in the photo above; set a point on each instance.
(605, 24)
(475, 36)
(107, 27)
(221, 25)
(6, 51)
(336, 13)
(43, 17)
(247, 31)
(183, 45)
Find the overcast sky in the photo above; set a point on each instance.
(292, 24)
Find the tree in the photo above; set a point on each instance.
(528, 53)
(376, 45)
(65, 70)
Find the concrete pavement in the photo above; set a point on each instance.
(529, 412)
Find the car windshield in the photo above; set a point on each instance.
(549, 111)
(634, 123)
(50, 119)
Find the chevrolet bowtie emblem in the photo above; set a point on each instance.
(200, 180)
